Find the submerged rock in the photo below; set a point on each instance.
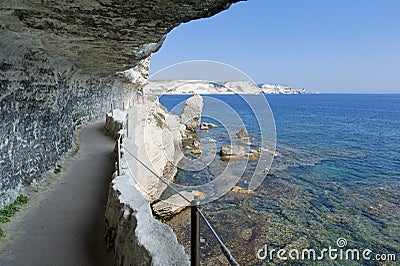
(191, 112)
(242, 190)
(232, 152)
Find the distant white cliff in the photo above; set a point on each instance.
(268, 88)
(208, 87)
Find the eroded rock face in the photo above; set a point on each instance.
(132, 232)
(154, 137)
(191, 113)
(100, 36)
(58, 61)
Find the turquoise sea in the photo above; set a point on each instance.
(337, 175)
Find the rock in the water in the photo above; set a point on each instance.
(196, 144)
(212, 140)
(232, 152)
(256, 152)
(243, 134)
(196, 152)
(242, 190)
(253, 154)
(175, 204)
(206, 126)
(191, 112)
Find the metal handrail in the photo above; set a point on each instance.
(119, 155)
(224, 249)
(195, 260)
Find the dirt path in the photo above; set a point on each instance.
(67, 226)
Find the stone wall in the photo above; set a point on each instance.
(40, 107)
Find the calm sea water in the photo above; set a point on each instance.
(337, 176)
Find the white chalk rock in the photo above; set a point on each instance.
(191, 113)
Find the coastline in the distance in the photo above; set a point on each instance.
(226, 87)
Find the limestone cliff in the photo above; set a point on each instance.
(191, 113)
(154, 138)
(58, 65)
(152, 135)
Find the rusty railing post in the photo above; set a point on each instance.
(195, 233)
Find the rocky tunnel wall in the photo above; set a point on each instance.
(40, 108)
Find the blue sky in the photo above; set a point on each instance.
(328, 46)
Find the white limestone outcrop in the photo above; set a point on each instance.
(132, 232)
(139, 73)
(154, 139)
(191, 113)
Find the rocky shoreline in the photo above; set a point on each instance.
(154, 142)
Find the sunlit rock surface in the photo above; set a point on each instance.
(132, 232)
(191, 113)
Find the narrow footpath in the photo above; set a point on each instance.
(67, 227)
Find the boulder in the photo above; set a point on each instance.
(196, 152)
(175, 204)
(243, 134)
(251, 156)
(232, 152)
(238, 189)
(196, 144)
(256, 152)
(191, 113)
(206, 126)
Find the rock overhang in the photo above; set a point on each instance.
(98, 37)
